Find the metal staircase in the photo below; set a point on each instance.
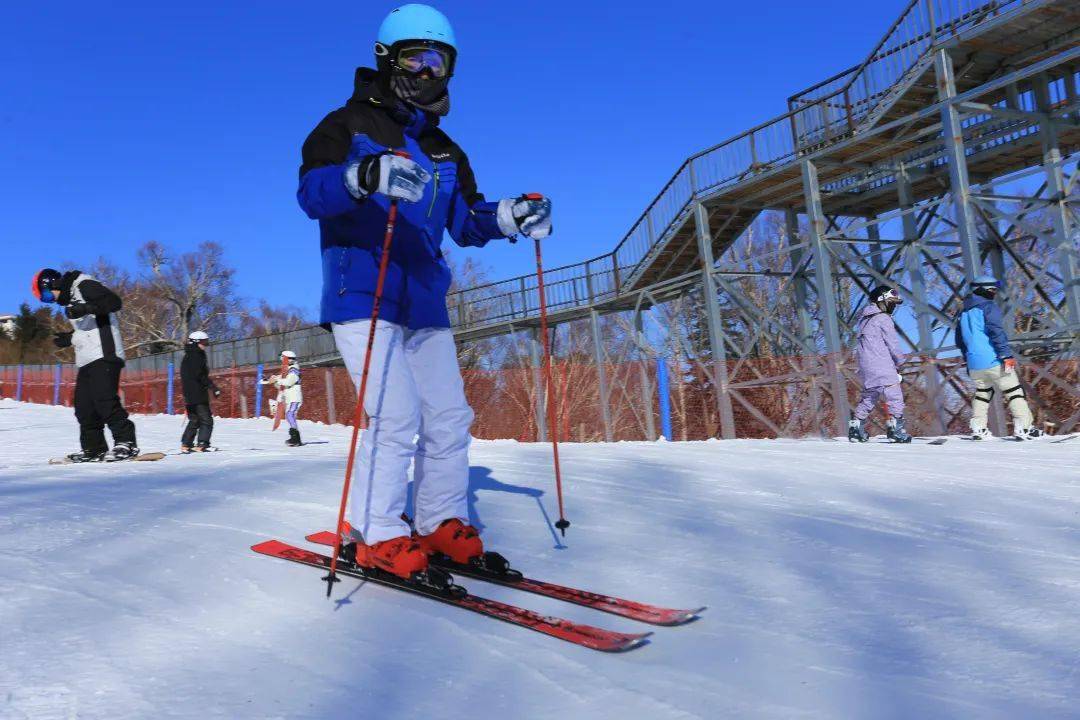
(738, 178)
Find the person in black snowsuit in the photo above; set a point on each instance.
(99, 354)
(197, 386)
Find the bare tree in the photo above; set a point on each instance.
(197, 289)
(269, 318)
(172, 294)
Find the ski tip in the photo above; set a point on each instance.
(692, 615)
(260, 546)
(323, 537)
(268, 547)
(630, 642)
(674, 618)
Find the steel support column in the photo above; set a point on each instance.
(958, 172)
(540, 410)
(601, 374)
(830, 317)
(921, 308)
(806, 335)
(1064, 240)
(996, 257)
(877, 261)
(643, 366)
(712, 317)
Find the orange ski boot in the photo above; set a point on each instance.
(454, 539)
(400, 556)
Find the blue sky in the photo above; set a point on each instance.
(182, 122)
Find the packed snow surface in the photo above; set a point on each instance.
(843, 581)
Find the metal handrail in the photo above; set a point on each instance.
(932, 19)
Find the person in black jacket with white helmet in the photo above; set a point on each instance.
(197, 386)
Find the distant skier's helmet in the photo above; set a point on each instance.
(415, 51)
(46, 285)
(288, 354)
(985, 285)
(885, 294)
(198, 336)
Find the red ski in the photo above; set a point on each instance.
(584, 635)
(511, 578)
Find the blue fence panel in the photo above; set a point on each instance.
(663, 389)
(258, 390)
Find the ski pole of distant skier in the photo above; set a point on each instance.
(384, 261)
(553, 425)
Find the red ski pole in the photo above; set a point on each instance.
(384, 262)
(553, 425)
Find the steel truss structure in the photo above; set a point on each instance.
(950, 150)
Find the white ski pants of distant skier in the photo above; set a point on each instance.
(1008, 384)
(415, 402)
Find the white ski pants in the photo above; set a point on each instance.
(415, 401)
(1008, 384)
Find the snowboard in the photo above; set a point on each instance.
(210, 449)
(279, 414)
(145, 457)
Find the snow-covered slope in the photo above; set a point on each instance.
(842, 581)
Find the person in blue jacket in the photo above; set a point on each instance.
(981, 337)
(385, 145)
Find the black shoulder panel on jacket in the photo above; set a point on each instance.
(103, 299)
(328, 143)
(467, 182)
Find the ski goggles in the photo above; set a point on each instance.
(890, 296)
(416, 58)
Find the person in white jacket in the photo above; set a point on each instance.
(290, 393)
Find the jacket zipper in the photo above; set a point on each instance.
(434, 194)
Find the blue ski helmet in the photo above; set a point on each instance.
(416, 22)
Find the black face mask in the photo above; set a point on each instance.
(425, 93)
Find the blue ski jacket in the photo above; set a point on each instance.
(980, 333)
(352, 231)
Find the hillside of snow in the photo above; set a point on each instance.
(842, 581)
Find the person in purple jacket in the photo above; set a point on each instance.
(879, 357)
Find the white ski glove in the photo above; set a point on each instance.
(529, 215)
(392, 175)
(273, 406)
